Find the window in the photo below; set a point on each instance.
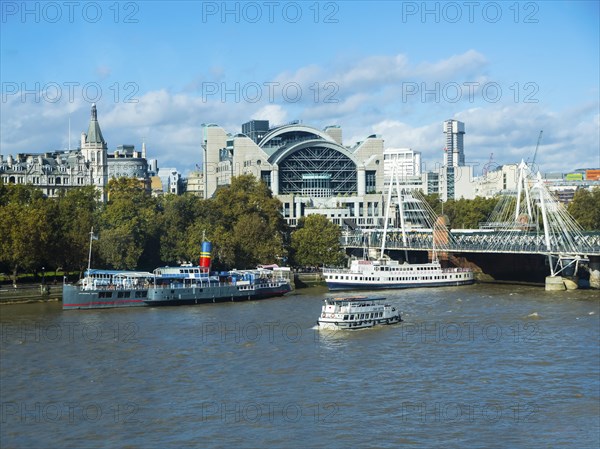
(265, 177)
(370, 181)
(325, 169)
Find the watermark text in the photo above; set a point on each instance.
(270, 12)
(70, 331)
(470, 12)
(492, 412)
(453, 92)
(67, 412)
(69, 12)
(270, 91)
(253, 412)
(70, 91)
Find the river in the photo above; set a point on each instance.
(490, 366)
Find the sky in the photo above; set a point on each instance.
(159, 70)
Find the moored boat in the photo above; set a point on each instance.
(356, 313)
(386, 273)
(186, 285)
(174, 286)
(107, 288)
(390, 274)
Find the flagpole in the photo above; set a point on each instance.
(90, 256)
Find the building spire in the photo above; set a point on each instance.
(94, 112)
(94, 134)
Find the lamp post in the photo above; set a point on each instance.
(43, 275)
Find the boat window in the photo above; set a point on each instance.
(345, 317)
(351, 317)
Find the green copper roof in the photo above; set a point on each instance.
(94, 135)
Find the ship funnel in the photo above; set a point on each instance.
(205, 255)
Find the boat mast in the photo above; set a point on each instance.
(90, 256)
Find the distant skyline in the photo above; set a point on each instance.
(157, 71)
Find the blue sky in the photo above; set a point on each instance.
(158, 70)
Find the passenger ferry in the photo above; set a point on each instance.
(385, 273)
(356, 313)
(388, 274)
(107, 288)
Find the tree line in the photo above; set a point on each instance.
(138, 231)
(135, 230)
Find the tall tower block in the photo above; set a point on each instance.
(455, 151)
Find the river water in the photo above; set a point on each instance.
(490, 366)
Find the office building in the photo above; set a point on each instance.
(308, 169)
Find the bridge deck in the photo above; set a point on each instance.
(473, 242)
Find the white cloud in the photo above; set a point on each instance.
(369, 100)
(272, 112)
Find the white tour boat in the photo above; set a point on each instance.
(356, 313)
(385, 273)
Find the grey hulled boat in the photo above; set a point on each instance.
(193, 285)
(107, 288)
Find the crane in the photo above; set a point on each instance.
(486, 167)
(536, 148)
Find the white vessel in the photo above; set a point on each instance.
(356, 313)
(386, 273)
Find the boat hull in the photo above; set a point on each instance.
(374, 285)
(211, 294)
(74, 297)
(330, 324)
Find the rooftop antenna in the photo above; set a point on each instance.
(69, 132)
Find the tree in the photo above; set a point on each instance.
(179, 213)
(316, 242)
(23, 228)
(467, 214)
(249, 228)
(76, 213)
(585, 208)
(130, 226)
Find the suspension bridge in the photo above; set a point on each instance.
(530, 221)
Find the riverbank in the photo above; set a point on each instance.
(30, 293)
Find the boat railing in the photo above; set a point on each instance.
(456, 270)
(114, 286)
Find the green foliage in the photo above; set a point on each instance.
(585, 208)
(23, 227)
(250, 228)
(129, 223)
(75, 214)
(179, 213)
(467, 214)
(316, 242)
(434, 202)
